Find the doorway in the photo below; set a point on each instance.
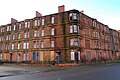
(11, 57)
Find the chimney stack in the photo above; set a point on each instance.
(38, 14)
(13, 20)
(61, 8)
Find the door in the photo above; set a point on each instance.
(18, 57)
(11, 57)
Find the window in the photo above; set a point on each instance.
(52, 31)
(97, 55)
(36, 43)
(2, 38)
(74, 29)
(96, 44)
(35, 56)
(35, 33)
(12, 46)
(0, 56)
(72, 55)
(7, 37)
(38, 22)
(87, 43)
(7, 28)
(43, 22)
(14, 27)
(20, 25)
(25, 56)
(35, 23)
(18, 57)
(94, 24)
(71, 29)
(86, 32)
(73, 16)
(74, 42)
(42, 45)
(28, 24)
(105, 55)
(25, 24)
(52, 43)
(6, 47)
(42, 34)
(38, 33)
(96, 34)
(25, 35)
(88, 55)
(19, 36)
(25, 45)
(18, 45)
(13, 37)
(52, 20)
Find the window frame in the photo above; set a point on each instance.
(43, 22)
(74, 42)
(52, 20)
(52, 43)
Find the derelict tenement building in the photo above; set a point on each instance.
(71, 35)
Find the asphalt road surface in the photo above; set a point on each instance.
(90, 72)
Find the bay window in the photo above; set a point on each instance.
(74, 42)
(74, 29)
(73, 16)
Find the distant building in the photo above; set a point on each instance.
(67, 36)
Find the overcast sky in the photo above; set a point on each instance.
(105, 11)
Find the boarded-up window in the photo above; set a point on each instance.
(88, 55)
(41, 56)
(52, 56)
(5, 56)
(35, 55)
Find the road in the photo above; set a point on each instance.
(90, 72)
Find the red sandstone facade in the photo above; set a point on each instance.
(68, 36)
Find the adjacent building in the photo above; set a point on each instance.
(66, 36)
